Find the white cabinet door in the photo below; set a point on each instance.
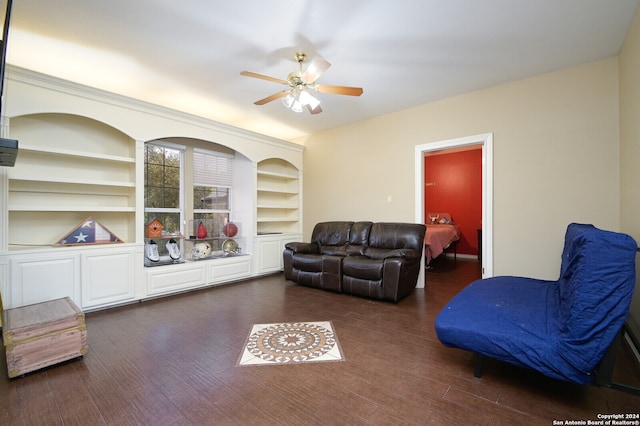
(270, 248)
(107, 277)
(35, 280)
(270, 253)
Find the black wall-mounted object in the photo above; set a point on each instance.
(8, 152)
(8, 147)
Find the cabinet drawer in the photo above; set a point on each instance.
(233, 268)
(170, 278)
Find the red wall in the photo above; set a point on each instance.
(453, 184)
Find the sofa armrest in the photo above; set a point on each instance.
(309, 248)
(408, 254)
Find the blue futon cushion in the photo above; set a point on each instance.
(506, 318)
(560, 328)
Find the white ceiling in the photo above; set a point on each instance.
(188, 55)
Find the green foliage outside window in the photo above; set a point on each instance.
(211, 193)
(210, 198)
(162, 177)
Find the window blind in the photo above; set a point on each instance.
(210, 169)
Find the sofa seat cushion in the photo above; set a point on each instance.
(334, 250)
(512, 319)
(363, 267)
(307, 262)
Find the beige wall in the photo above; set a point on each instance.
(630, 147)
(556, 160)
(630, 130)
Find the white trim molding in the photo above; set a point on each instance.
(486, 140)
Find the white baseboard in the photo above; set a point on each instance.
(464, 256)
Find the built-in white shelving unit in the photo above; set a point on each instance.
(278, 197)
(69, 167)
(81, 154)
(279, 211)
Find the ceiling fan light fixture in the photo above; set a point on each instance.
(297, 106)
(301, 83)
(292, 101)
(288, 100)
(308, 99)
(297, 99)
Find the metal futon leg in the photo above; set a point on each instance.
(479, 363)
(604, 373)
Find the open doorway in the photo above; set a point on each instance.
(486, 141)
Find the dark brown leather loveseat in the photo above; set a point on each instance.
(375, 260)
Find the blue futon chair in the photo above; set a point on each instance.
(560, 328)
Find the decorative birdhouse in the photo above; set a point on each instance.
(153, 229)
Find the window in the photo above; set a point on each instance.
(168, 199)
(212, 181)
(162, 186)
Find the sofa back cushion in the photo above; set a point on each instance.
(359, 237)
(359, 234)
(331, 233)
(331, 237)
(595, 288)
(388, 235)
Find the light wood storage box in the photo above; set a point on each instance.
(43, 334)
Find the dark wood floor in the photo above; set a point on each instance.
(173, 361)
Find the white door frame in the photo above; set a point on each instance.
(486, 140)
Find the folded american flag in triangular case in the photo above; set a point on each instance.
(89, 231)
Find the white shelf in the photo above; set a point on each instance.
(79, 154)
(278, 207)
(278, 175)
(70, 209)
(55, 179)
(277, 191)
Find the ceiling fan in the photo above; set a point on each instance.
(300, 83)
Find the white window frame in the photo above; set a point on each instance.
(181, 208)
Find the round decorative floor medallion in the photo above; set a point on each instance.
(291, 342)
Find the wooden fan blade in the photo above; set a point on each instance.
(316, 110)
(315, 69)
(263, 77)
(339, 90)
(272, 97)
